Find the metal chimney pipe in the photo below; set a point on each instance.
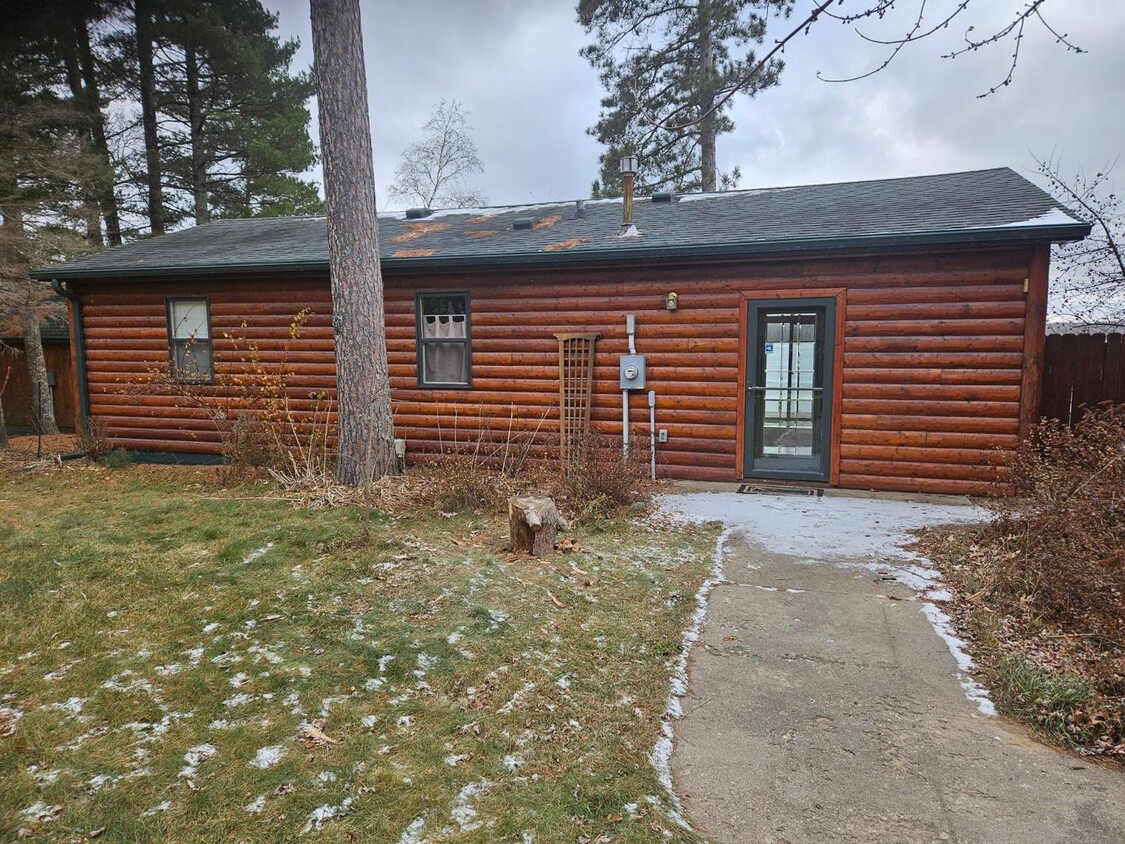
(628, 173)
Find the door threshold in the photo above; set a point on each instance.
(780, 489)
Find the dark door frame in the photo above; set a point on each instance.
(833, 384)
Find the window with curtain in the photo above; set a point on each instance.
(189, 338)
(444, 336)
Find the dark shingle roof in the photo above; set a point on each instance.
(986, 205)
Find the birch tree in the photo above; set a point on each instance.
(434, 171)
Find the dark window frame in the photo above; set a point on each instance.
(419, 342)
(177, 375)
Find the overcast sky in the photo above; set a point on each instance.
(514, 64)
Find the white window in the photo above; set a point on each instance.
(444, 336)
(189, 338)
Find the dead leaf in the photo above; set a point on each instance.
(94, 833)
(556, 601)
(313, 736)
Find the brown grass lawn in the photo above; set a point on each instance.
(188, 664)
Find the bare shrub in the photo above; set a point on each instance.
(598, 480)
(1060, 542)
(93, 440)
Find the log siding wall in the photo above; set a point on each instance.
(932, 386)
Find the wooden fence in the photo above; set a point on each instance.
(1081, 370)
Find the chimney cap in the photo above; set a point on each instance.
(628, 165)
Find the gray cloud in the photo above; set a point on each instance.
(515, 66)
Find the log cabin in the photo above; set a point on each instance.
(882, 335)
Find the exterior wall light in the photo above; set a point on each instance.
(672, 301)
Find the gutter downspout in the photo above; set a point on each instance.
(78, 337)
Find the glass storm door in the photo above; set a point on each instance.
(789, 388)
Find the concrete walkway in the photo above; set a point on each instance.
(822, 706)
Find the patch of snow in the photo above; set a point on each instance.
(454, 760)
(974, 691)
(62, 646)
(413, 833)
(40, 811)
(661, 754)
(238, 679)
(194, 655)
(325, 813)
(157, 809)
(512, 762)
(497, 617)
(219, 724)
(267, 757)
(211, 628)
(456, 636)
(257, 554)
(255, 806)
(225, 660)
(168, 670)
(325, 777)
(463, 813)
(240, 699)
(517, 698)
(368, 721)
(373, 683)
(384, 661)
(1053, 217)
(404, 721)
(72, 706)
(194, 756)
(43, 778)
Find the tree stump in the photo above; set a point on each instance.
(533, 522)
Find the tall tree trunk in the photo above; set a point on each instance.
(104, 184)
(42, 402)
(143, 31)
(198, 156)
(3, 429)
(91, 213)
(709, 169)
(3, 383)
(366, 436)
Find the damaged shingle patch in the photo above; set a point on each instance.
(546, 222)
(417, 230)
(413, 253)
(564, 244)
(481, 232)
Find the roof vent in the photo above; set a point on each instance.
(662, 196)
(417, 213)
(521, 223)
(579, 209)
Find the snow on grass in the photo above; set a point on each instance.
(463, 812)
(413, 833)
(196, 755)
(974, 691)
(516, 699)
(157, 809)
(325, 813)
(267, 757)
(257, 554)
(255, 806)
(661, 754)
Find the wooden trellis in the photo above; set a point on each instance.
(576, 385)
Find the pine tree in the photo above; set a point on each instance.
(48, 176)
(363, 388)
(235, 122)
(667, 68)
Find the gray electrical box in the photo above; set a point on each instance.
(632, 372)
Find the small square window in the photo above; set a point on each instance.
(444, 337)
(189, 340)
